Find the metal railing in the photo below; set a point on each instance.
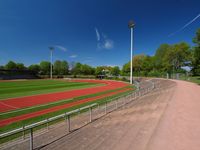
(107, 106)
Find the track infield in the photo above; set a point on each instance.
(28, 101)
(89, 95)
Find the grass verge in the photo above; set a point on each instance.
(195, 79)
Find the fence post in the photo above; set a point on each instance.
(106, 107)
(68, 120)
(65, 117)
(47, 124)
(23, 132)
(90, 114)
(31, 139)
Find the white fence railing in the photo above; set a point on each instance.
(107, 106)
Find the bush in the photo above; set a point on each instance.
(155, 74)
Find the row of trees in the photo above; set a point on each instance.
(63, 68)
(167, 59)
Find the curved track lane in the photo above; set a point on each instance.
(28, 101)
(5, 122)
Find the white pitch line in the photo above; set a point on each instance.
(31, 107)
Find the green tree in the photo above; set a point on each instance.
(35, 68)
(65, 67)
(1, 67)
(176, 56)
(115, 71)
(76, 70)
(60, 67)
(159, 56)
(20, 66)
(126, 69)
(147, 65)
(45, 67)
(138, 62)
(196, 54)
(99, 70)
(87, 70)
(57, 67)
(11, 65)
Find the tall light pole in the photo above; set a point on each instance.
(131, 25)
(51, 57)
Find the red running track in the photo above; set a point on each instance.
(56, 108)
(28, 101)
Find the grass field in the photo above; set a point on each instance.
(195, 79)
(33, 87)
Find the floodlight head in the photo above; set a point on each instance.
(51, 48)
(131, 24)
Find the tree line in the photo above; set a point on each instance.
(63, 68)
(169, 58)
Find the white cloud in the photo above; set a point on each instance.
(108, 44)
(73, 56)
(103, 42)
(186, 25)
(61, 48)
(97, 34)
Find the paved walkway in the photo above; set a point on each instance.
(179, 128)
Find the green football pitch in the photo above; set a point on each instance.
(13, 89)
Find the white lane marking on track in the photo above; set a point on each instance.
(8, 105)
(22, 109)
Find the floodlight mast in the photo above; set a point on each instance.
(131, 25)
(51, 58)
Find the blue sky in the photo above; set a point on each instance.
(92, 31)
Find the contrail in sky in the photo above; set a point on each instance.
(97, 34)
(186, 25)
(61, 48)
